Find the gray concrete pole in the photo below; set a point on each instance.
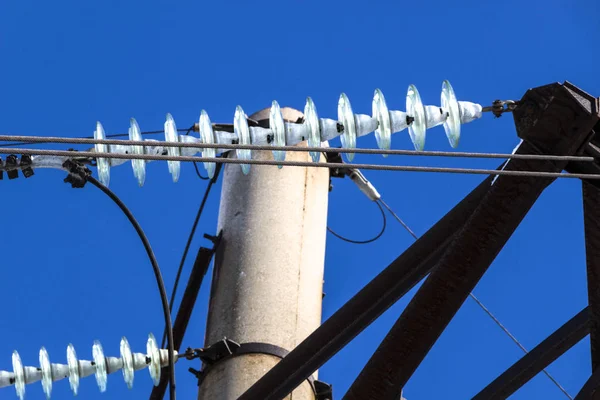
(268, 280)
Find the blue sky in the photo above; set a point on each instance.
(74, 270)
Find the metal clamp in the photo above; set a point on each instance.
(78, 173)
(227, 348)
(25, 165)
(499, 107)
(12, 166)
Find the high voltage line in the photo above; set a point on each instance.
(408, 168)
(225, 146)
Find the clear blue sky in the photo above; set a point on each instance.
(73, 270)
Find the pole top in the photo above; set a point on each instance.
(289, 114)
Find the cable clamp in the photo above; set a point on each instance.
(227, 348)
(499, 107)
(25, 165)
(12, 166)
(78, 174)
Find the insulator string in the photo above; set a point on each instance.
(75, 369)
(407, 168)
(349, 126)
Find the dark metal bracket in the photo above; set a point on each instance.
(336, 158)
(216, 240)
(227, 348)
(11, 164)
(499, 107)
(26, 166)
(78, 174)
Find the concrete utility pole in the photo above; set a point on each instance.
(268, 280)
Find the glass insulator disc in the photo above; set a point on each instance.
(207, 136)
(139, 166)
(450, 106)
(414, 108)
(240, 128)
(383, 133)
(314, 128)
(346, 118)
(277, 126)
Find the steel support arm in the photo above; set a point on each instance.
(591, 215)
(201, 265)
(366, 306)
(538, 358)
(590, 390)
(558, 119)
(552, 119)
(447, 287)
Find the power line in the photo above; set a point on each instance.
(226, 146)
(189, 242)
(114, 135)
(157, 274)
(363, 241)
(484, 308)
(407, 168)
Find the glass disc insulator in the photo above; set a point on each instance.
(171, 136)
(207, 136)
(415, 110)
(240, 128)
(100, 364)
(277, 126)
(381, 114)
(450, 106)
(46, 368)
(154, 354)
(127, 358)
(346, 118)
(139, 166)
(314, 128)
(103, 164)
(73, 364)
(19, 372)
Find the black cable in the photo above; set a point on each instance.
(363, 241)
(204, 178)
(189, 242)
(157, 274)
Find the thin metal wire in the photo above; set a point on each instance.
(398, 218)
(224, 146)
(484, 308)
(114, 135)
(407, 168)
(337, 235)
(514, 339)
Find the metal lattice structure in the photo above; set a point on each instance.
(556, 119)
